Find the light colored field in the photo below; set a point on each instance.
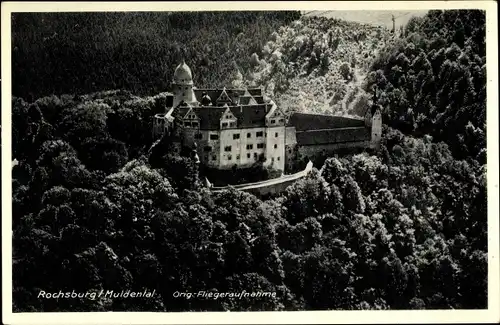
(372, 17)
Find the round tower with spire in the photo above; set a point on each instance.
(182, 85)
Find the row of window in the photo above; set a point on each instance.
(259, 146)
(238, 157)
(231, 124)
(258, 134)
(249, 147)
(280, 120)
(236, 136)
(224, 125)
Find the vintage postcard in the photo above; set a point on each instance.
(260, 162)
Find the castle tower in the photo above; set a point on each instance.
(182, 85)
(376, 121)
(376, 129)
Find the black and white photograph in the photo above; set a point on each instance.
(250, 160)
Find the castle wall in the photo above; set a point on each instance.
(313, 151)
(270, 189)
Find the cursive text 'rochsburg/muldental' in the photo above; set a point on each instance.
(96, 294)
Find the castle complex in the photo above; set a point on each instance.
(240, 127)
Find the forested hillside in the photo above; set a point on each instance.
(398, 228)
(433, 81)
(318, 65)
(78, 53)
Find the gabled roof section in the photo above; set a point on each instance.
(179, 112)
(224, 97)
(190, 112)
(228, 114)
(275, 111)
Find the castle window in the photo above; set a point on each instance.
(207, 149)
(249, 146)
(214, 137)
(232, 124)
(194, 124)
(266, 134)
(278, 158)
(273, 121)
(255, 155)
(229, 157)
(249, 135)
(227, 148)
(236, 136)
(214, 157)
(275, 146)
(188, 124)
(282, 120)
(276, 135)
(198, 136)
(260, 145)
(259, 134)
(224, 125)
(248, 155)
(237, 157)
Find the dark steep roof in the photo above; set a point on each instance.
(331, 136)
(209, 116)
(247, 115)
(232, 93)
(303, 122)
(250, 115)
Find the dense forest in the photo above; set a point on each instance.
(78, 53)
(403, 227)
